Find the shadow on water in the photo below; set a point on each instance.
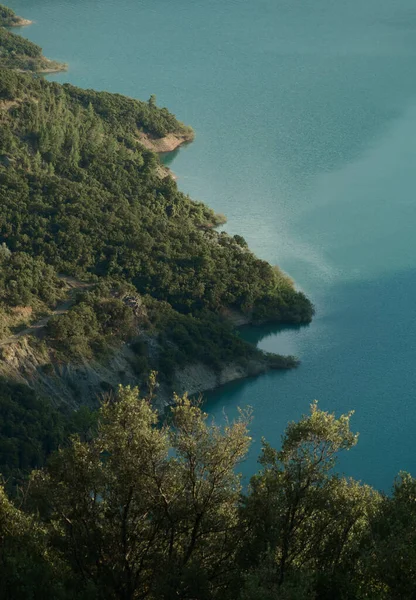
(167, 158)
(360, 356)
(256, 333)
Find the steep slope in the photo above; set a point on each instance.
(79, 191)
(82, 193)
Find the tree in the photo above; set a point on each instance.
(304, 522)
(144, 508)
(5, 253)
(390, 560)
(147, 509)
(27, 569)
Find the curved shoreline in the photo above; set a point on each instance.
(194, 377)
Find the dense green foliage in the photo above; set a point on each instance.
(91, 202)
(151, 510)
(31, 428)
(97, 320)
(25, 280)
(79, 192)
(212, 340)
(28, 288)
(100, 319)
(124, 116)
(8, 17)
(12, 44)
(16, 52)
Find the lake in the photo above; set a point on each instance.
(305, 120)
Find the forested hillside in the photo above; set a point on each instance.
(8, 18)
(81, 196)
(16, 52)
(124, 503)
(80, 193)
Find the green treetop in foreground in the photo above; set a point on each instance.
(154, 510)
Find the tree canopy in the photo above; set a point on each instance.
(151, 508)
(83, 194)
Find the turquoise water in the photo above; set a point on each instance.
(305, 115)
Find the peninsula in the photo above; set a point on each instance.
(109, 273)
(19, 53)
(8, 18)
(84, 195)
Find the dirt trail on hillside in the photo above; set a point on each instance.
(74, 286)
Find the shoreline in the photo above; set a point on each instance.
(194, 378)
(164, 145)
(48, 71)
(197, 378)
(21, 22)
(55, 67)
(77, 384)
(51, 71)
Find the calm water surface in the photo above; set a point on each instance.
(305, 114)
